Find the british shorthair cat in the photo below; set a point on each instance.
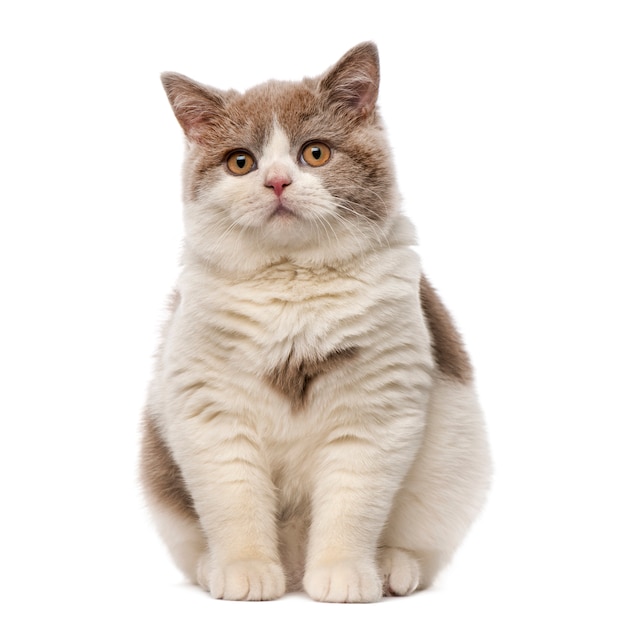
(312, 422)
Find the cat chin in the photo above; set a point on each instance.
(261, 249)
(282, 212)
(265, 235)
(257, 253)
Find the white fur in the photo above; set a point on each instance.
(385, 465)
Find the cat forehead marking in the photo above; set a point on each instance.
(277, 146)
(276, 160)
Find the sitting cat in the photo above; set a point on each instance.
(312, 421)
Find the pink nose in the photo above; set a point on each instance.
(277, 183)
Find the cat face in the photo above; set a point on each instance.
(286, 169)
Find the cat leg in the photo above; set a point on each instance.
(442, 493)
(235, 499)
(183, 537)
(353, 493)
(169, 502)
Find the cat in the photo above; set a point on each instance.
(312, 421)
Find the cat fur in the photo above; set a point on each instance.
(312, 421)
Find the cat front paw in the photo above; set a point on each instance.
(253, 579)
(343, 581)
(401, 571)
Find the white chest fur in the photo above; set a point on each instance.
(284, 309)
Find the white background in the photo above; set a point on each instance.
(503, 118)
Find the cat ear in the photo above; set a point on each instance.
(352, 84)
(196, 107)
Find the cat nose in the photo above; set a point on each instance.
(277, 183)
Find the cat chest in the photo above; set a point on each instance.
(285, 334)
(292, 344)
(287, 338)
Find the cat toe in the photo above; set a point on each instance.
(401, 572)
(247, 580)
(202, 575)
(343, 581)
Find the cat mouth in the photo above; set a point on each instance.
(281, 211)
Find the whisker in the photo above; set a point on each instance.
(365, 190)
(367, 223)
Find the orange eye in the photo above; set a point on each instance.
(315, 153)
(240, 162)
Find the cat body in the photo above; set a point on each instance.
(312, 420)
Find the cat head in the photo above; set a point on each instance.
(299, 171)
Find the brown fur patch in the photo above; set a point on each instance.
(294, 377)
(160, 474)
(448, 349)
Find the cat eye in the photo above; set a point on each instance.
(240, 162)
(315, 153)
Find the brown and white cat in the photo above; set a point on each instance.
(312, 421)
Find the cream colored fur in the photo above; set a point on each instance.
(371, 484)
